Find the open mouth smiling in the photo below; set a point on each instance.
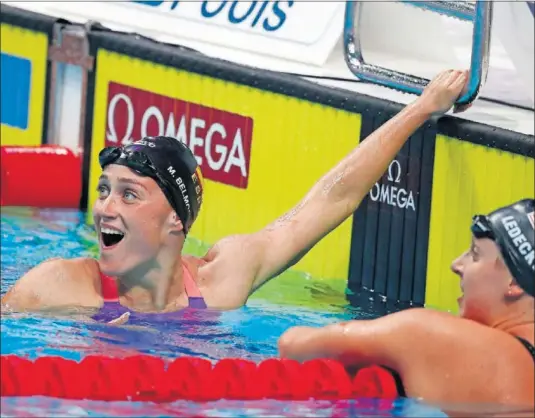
(110, 237)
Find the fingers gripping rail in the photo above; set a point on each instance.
(147, 378)
(480, 13)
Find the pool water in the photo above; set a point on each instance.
(30, 236)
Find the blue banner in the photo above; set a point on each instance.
(15, 90)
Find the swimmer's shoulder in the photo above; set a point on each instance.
(215, 287)
(54, 283)
(468, 353)
(449, 326)
(77, 270)
(196, 267)
(447, 339)
(453, 344)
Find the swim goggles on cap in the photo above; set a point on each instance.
(481, 227)
(137, 160)
(140, 162)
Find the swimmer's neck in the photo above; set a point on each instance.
(156, 284)
(519, 324)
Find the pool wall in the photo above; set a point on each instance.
(263, 138)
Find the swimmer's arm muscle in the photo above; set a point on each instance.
(360, 343)
(336, 195)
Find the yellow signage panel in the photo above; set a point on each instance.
(260, 152)
(468, 179)
(23, 80)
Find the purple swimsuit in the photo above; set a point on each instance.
(112, 308)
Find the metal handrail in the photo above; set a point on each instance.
(408, 83)
(462, 10)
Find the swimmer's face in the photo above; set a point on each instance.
(132, 218)
(485, 281)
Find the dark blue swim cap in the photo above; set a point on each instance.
(171, 164)
(512, 228)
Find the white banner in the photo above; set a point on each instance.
(302, 31)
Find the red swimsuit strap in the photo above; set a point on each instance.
(192, 290)
(110, 290)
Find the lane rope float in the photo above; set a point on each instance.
(149, 378)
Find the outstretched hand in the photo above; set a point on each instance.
(443, 91)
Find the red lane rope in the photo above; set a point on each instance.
(147, 378)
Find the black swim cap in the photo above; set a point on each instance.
(171, 164)
(512, 228)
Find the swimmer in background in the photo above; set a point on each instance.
(149, 195)
(486, 355)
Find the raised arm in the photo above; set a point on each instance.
(339, 192)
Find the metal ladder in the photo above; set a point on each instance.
(479, 13)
